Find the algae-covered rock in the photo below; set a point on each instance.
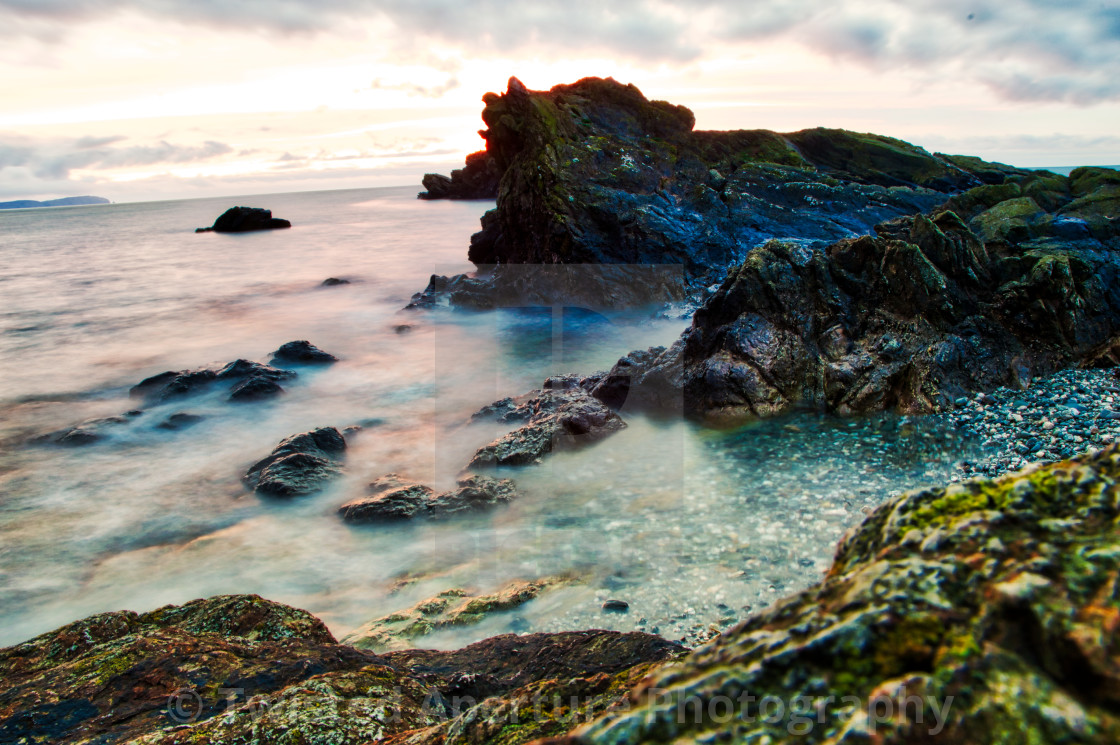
(110, 677)
(930, 309)
(983, 612)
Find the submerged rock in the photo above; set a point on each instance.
(989, 604)
(86, 433)
(392, 498)
(300, 464)
(593, 173)
(334, 282)
(555, 419)
(451, 608)
(245, 219)
(303, 352)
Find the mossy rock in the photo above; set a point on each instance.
(1088, 179)
(1010, 220)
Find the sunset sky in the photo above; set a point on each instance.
(152, 99)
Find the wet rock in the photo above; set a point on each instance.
(255, 388)
(300, 464)
(180, 420)
(245, 219)
(922, 315)
(173, 384)
(334, 282)
(245, 369)
(556, 419)
(388, 499)
(392, 498)
(303, 352)
(86, 433)
(616, 606)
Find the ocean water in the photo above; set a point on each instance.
(692, 527)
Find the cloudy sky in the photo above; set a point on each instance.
(151, 99)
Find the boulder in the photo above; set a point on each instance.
(555, 419)
(86, 433)
(930, 309)
(298, 465)
(302, 352)
(245, 219)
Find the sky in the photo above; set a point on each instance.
(137, 100)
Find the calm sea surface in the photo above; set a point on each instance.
(690, 526)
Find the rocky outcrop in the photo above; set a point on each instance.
(242, 669)
(302, 352)
(247, 381)
(300, 464)
(392, 499)
(991, 289)
(561, 416)
(983, 612)
(478, 179)
(594, 173)
(244, 220)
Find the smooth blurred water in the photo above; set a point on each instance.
(690, 526)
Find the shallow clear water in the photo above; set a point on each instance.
(690, 526)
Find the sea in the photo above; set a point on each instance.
(694, 528)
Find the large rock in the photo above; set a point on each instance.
(991, 290)
(555, 419)
(594, 173)
(245, 219)
(240, 669)
(300, 464)
(979, 613)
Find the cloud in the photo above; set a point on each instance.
(413, 89)
(1035, 50)
(54, 160)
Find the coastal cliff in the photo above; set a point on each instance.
(593, 173)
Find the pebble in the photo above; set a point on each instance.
(616, 606)
(1056, 418)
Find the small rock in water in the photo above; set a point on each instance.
(334, 281)
(616, 606)
(180, 420)
(304, 352)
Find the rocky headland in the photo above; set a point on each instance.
(594, 174)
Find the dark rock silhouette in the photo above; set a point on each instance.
(244, 220)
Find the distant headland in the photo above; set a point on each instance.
(20, 204)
